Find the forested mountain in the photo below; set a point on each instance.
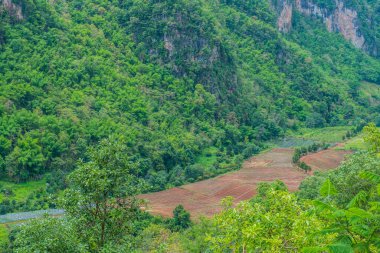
(170, 78)
(174, 82)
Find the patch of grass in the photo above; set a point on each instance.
(208, 157)
(326, 134)
(22, 190)
(356, 144)
(3, 234)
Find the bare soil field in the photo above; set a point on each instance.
(203, 198)
(325, 159)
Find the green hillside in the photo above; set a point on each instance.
(168, 77)
(188, 88)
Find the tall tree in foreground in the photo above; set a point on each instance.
(101, 198)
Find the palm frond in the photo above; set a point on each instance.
(373, 177)
(340, 248)
(358, 200)
(328, 189)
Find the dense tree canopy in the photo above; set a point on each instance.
(172, 77)
(112, 98)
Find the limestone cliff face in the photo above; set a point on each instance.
(337, 19)
(284, 21)
(12, 8)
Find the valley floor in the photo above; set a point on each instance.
(203, 198)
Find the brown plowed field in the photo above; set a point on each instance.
(325, 159)
(203, 198)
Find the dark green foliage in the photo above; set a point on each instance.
(302, 151)
(256, 8)
(304, 167)
(250, 150)
(181, 219)
(330, 5)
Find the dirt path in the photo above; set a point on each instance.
(203, 198)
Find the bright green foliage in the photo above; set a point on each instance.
(278, 223)
(372, 137)
(27, 196)
(172, 80)
(326, 134)
(21, 191)
(26, 160)
(101, 199)
(344, 216)
(172, 77)
(157, 239)
(356, 144)
(327, 189)
(47, 235)
(357, 227)
(4, 233)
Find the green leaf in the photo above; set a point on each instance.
(358, 200)
(375, 206)
(340, 248)
(314, 249)
(321, 206)
(339, 213)
(361, 247)
(354, 211)
(328, 189)
(376, 243)
(331, 230)
(370, 176)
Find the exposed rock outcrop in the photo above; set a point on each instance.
(12, 8)
(338, 19)
(186, 43)
(284, 21)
